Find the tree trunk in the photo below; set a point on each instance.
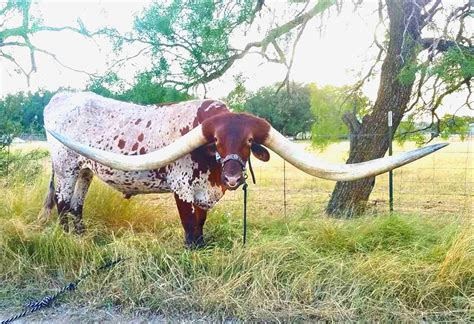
(369, 139)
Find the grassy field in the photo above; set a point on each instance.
(417, 264)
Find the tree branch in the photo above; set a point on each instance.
(12, 59)
(350, 119)
(448, 91)
(428, 16)
(442, 45)
(271, 36)
(22, 33)
(285, 28)
(257, 9)
(290, 65)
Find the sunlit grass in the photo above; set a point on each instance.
(305, 266)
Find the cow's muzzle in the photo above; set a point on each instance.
(233, 171)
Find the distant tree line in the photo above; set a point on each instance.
(22, 112)
(298, 110)
(421, 132)
(144, 91)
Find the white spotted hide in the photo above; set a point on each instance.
(126, 128)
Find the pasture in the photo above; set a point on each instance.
(415, 264)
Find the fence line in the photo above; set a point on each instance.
(441, 182)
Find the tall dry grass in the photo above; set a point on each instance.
(303, 267)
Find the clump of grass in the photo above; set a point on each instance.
(303, 267)
(21, 166)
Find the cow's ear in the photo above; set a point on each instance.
(260, 152)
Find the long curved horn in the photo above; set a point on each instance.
(150, 161)
(340, 172)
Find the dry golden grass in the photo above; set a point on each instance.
(417, 264)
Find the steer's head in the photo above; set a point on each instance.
(232, 138)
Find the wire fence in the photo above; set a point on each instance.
(441, 183)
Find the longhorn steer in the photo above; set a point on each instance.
(170, 148)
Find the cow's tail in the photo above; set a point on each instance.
(48, 204)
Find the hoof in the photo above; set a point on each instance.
(79, 229)
(65, 227)
(195, 244)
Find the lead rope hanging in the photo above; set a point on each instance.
(244, 188)
(34, 306)
(251, 171)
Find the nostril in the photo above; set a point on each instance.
(232, 181)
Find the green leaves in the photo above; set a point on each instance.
(328, 105)
(455, 125)
(408, 74)
(23, 112)
(236, 99)
(452, 66)
(194, 35)
(455, 65)
(421, 132)
(144, 90)
(409, 130)
(289, 113)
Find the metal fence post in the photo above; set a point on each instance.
(390, 152)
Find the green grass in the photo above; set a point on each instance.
(302, 267)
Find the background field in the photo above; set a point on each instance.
(416, 264)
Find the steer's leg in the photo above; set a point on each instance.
(200, 216)
(192, 219)
(66, 182)
(82, 186)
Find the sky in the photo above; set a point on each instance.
(335, 57)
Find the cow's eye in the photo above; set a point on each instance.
(250, 141)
